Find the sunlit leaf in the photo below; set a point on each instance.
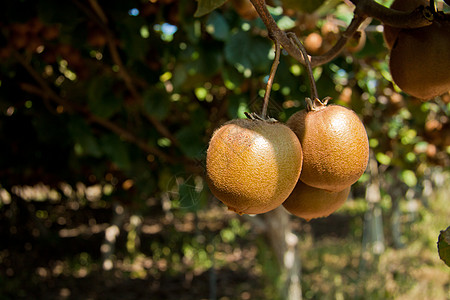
(285, 23)
(383, 158)
(237, 106)
(409, 178)
(231, 77)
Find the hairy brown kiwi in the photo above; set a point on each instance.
(420, 60)
(253, 165)
(390, 33)
(309, 202)
(335, 146)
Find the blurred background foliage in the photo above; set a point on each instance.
(106, 109)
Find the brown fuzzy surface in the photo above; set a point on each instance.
(310, 203)
(252, 166)
(420, 61)
(390, 33)
(335, 146)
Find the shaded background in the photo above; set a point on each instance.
(106, 109)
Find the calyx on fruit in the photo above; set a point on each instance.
(253, 165)
(334, 143)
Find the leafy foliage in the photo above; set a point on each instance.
(444, 246)
(125, 95)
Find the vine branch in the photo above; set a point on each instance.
(100, 17)
(273, 70)
(419, 17)
(46, 92)
(363, 9)
(312, 83)
(340, 44)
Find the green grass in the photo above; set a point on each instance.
(331, 266)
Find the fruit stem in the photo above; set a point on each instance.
(273, 70)
(432, 6)
(306, 57)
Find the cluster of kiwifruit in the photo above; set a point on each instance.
(307, 165)
(420, 57)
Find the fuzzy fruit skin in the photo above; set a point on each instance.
(420, 61)
(310, 203)
(335, 146)
(252, 166)
(390, 33)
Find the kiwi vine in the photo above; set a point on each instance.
(422, 16)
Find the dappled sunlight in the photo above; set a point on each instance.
(106, 110)
(39, 192)
(214, 241)
(84, 230)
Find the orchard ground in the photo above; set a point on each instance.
(209, 254)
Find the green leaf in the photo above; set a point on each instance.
(217, 26)
(237, 106)
(244, 50)
(116, 150)
(188, 194)
(191, 194)
(83, 136)
(102, 100)
(206, 6)
(179, 77)
(156, 103)
(444, 246)
(286, 23)
(135, 46)
(191, 142)
(231, 77)
(211, 61)
(208, 62)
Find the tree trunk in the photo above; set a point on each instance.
(373, 236)
(134, 234)
(396, 196)
(285, 247)
(111, 233)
